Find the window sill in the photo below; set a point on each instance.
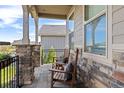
(98, 58)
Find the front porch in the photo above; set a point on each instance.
(42, 79)
(100, 64)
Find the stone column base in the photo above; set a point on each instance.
(29, 58)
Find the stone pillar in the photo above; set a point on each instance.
(25, 39)
(25, 64)
(29, 56)
(36, 30)
(36, 55)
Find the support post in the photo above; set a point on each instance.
(25, 39)
(36, 30)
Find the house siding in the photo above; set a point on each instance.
(56, 42)
(118, 24)
(78, 32)
(102, 73)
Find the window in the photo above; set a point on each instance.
(92, 10)
(95, 31)
(71, 23)
(71, 31)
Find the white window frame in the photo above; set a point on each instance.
(68, 17)
(108, 56)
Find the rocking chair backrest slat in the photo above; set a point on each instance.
(73, 58)
(75, 65)
(66, 53)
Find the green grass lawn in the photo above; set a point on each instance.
(7, 72)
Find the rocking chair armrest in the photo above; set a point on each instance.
(57, 58)
(60, 71)
(60, 63)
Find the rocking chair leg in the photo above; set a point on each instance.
(52, 80)
(72, 85)
(51, 85)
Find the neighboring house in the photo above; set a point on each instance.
(53, 36)
(16, 42)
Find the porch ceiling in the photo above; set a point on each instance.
(50, 11)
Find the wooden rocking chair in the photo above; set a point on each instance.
(58, 75)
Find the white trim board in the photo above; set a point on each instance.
(97, 58)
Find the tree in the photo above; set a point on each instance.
(51, 55)
(43, 55)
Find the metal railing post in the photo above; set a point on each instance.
(17, 71)
(0, 74)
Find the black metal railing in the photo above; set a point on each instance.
(9, 72)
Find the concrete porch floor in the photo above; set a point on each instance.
(42, 78)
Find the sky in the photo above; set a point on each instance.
(11, 23)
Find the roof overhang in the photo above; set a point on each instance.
(50, 11)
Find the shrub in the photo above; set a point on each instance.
(51, 54)
(47, 58)
(3, 56)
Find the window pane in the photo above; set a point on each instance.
(100, 36)
(71, 23)
(92, 10)
(89, 31)
(96, 36)
(71, 29)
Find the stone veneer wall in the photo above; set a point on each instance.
(36, 55)
(29, 57)
(95, 74)
(118, 60)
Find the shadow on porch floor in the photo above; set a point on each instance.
(42, 79)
